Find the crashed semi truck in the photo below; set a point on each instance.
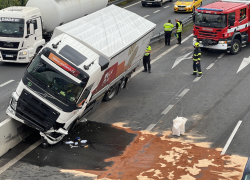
(24, 30)
(86, 61)
(223, 25)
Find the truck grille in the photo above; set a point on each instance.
(210, 34)
(181, 6)
(35, 113)
(9, 55)
(6, 44)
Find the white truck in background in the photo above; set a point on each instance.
(86, 61)
(24, 30)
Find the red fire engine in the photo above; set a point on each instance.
(223, 25)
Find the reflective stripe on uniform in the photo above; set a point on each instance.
(148, 49)
(179, 27)
(168, 27)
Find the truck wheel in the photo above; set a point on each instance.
(38, 49)
(110, 94)
(235, 47)
(45, 143)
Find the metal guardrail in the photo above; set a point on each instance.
(116, 2)
(161, 35)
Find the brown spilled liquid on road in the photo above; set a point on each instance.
(153, 157)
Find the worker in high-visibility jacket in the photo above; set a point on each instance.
(178, 30)
(146, 60)
(197, 60)
(168, 31)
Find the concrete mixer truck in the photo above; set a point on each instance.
(24, 30)
(86, 61)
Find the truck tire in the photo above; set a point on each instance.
(235, 47)
(110, 94)
(38, 49)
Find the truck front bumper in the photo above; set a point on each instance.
(150, 3)
(219, 46)
(14, 56)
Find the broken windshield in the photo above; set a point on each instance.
(211, 20)
(54, 80)
(11, 27)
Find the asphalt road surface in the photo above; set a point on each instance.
(213, 104)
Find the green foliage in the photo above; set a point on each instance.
(8, 3)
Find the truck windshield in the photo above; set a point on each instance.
(54, 80)
(11, 27)
(211, 20)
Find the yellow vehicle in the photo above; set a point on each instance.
(187, 5)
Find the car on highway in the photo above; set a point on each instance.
(187, 5)
(153, 2)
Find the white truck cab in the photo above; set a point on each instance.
(20, 34)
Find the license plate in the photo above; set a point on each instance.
(9, 56)
(149, 3)
(181, 8)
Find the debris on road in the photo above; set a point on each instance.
(179, 126)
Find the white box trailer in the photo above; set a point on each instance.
(87, 60)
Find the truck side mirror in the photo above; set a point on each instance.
(103, 62)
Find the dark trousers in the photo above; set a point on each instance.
(146, 62)
(167, 37)
(197, 67)
(179, 37)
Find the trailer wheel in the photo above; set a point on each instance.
(236, 46)
(110, 94)
(45, 143)
(123, 84)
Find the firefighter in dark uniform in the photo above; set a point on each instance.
(197, 60)
(146, 60)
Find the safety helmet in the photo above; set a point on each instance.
(197, 44)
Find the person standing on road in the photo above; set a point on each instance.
(178, 30)
(146, 60)
(197, 59)
(168, 31)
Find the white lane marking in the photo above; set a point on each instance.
(131, 5)
(151, 126)
(166, 7)
(167, 109)
(146, 16)
(179, 59)
(20, 156)
(221, 55)
(161, 55)
(230, 138)
(6, 83)
(244, 63)
(156, 11)
(184, 92)
(196, 79)
(210, 66)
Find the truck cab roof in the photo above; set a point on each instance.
(223, 6)
(19, 12)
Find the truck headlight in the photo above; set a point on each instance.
(222, 42)
(194, 39)
(23, 53)
(13, 103)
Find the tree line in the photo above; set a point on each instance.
(8, 3)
